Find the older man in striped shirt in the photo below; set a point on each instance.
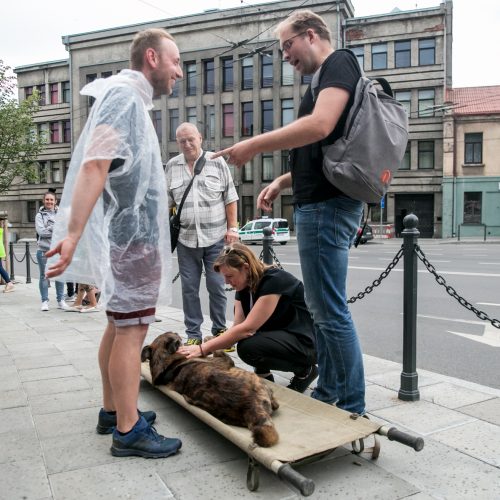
(208, 221)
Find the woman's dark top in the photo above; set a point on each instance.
(291, 313)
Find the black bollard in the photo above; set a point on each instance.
(409, 377)
(11, 257)
(267, 242)
(27, 256)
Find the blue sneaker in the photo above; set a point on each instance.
(107, 421)
(143, 441)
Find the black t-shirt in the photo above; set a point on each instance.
(340, 69)
(291, 313)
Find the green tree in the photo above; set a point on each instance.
(20, 143)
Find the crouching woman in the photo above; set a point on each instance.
(272, 325)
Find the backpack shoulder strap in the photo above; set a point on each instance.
(385, 86)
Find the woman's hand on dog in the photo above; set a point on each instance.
(190, 351)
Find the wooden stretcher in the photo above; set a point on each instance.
(328, 427)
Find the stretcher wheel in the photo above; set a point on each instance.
(253, 474)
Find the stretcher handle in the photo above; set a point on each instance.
(290, 475)
(393, 434)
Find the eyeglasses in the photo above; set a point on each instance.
(287, 44)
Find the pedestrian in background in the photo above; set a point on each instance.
(9, 286)
(44, 224)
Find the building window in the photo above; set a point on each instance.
(246, 118)
(156, 118)
(472, 207)
(66, 131)
(379, 56)
(404, 97)
(54, 133)
(359, 52)
(175, 89)
(173, 123)
(406, 163)
(247, 73)
(426, 102)
(227, 120)
(425, 154)
(32, 211)
(54, 93)
(106, 74)
(191, 78)
(227, 75)
(402, 54)
(28, 92)
(43, 132)
(41, 91)
(286, 73)
(66, 164)
(247, 174)
(191, 115)
(474, 148)
(267, 116)
(286, 111)
(66, 92)
(56, 172)
(426, 51)
(208, 77)
(267, 167)
(266, 61)
(285, 161)
(90, 100)
(306, 79)
(42, 172)
(209, 121)
(247, 209)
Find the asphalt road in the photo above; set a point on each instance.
(450, 339)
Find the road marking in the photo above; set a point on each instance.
(489, 263)
(487, 304)
(490, 336)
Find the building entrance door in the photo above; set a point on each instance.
(422, 205)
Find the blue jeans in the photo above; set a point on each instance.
(325, 232)
(190, 267)
(44, 282)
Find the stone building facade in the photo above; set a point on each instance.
(236, 85)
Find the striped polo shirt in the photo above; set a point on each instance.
(203, 216)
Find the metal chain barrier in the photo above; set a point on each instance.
(376, 282)
(452, 292)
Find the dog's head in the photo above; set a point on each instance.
(163, 357)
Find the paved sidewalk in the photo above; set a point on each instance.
(50, 395)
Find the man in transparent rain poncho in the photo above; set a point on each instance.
(112, 231)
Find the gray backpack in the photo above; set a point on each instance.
(361, 163)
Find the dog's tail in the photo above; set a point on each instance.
(264, 433)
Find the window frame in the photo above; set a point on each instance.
(267, 162)
(246, 72)
(379, 50)
(266, 112)
(190, 78)
(429, 111)
(208, 76)
(228, 120)
(423, 51)
(426, 153)
(472, 211)
(247, 121)
(227, 74)
(266, 65)
(405, 52)
(474, 139)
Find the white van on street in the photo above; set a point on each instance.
(252, 232)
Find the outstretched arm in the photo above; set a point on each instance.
(305, 130)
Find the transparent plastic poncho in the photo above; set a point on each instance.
(125, 246)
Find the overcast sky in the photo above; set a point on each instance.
(30, 31)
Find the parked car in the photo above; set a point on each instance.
(367, 234)
(252, 232)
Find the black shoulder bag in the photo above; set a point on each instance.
(175, 220)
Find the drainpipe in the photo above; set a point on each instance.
(454, 186)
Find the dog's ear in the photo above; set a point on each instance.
(146, 353)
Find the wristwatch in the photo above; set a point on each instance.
(233, 229)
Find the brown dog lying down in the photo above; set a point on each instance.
(233, 395)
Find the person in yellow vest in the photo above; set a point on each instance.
(9, 286)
